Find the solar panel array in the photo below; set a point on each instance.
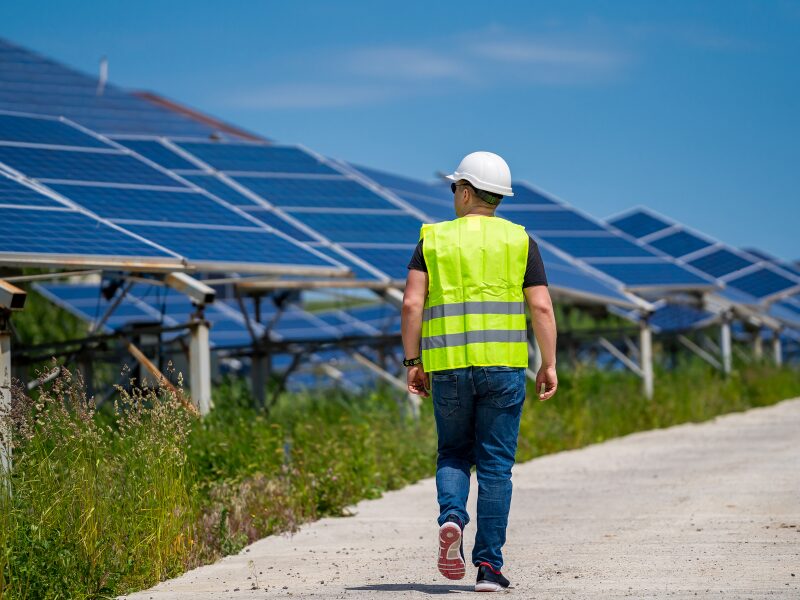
(118, 186)
(581, 254)
(593, 244)
(303, 194)
(740, 270)
(34, 84)
(36, 228)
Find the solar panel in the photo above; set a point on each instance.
(220, 189)
(387, 228)
(540, 221)
(598, 246)
(49, 132)
(762, 283)
(314, 193)
(167, 206)
(16, 194)
(679, 243)
(256, 158)
(48, 164)
(36, 229)
(153, 203)
(720, 262)
(159, 154)
(651, 274)
(761, 280)
(304, 196)
(435, 199)
(638, 224)
(34, 84)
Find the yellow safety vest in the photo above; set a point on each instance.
(475, 310)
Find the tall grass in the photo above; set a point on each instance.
(96, 506)
(104, 504)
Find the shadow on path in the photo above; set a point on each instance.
(414, 587)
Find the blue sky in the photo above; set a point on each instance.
(691, 108)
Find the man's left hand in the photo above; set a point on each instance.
(418, 381)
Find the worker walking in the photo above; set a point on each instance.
(464, 326)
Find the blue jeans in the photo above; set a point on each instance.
(477, 413)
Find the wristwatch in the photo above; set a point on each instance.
(410, 362)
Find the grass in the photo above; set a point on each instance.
(109, 502)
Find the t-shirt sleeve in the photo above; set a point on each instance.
(418, 259)
(534, 272)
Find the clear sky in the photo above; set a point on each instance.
(691, 108)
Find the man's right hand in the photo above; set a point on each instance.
(547, 377)
(418, 381)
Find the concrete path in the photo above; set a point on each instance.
(693, 511)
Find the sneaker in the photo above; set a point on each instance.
(490, 580)
(451, 549)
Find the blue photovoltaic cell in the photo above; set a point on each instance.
(398, 182)
(368, 228)
(220, 189)
(65, 232)
(34, 84)
(41, 163)
(256, 158)
(720, 262)
(674, 317)
(639, 224)
(679, 243)
(219, 245)
(15, 193)
(762, 283)
(151, 205)
(31, 130)
(523, 195)
(597, 246)
(392, 261)
(538, 221)
(268, 216)
(651, 274)
(314, 193)
(158, 153)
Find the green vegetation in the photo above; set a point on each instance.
(105, 502)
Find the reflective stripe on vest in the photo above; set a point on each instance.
(474, 312)
(458, 309)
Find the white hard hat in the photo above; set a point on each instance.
(485, 171)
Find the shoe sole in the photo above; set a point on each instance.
(450, 563)
(489, 586)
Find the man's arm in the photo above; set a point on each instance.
(411, 328)
(544, 328)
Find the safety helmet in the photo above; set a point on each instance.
(485, 171)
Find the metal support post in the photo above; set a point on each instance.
(200, 366)
(777, 350)
(260, 367)
(725, 344)
(758, 344)
(646, 351)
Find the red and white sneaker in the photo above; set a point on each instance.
(451, 550)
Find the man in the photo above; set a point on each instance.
(463, 322)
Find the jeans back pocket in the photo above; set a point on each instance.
(445, 393)
(506, 385)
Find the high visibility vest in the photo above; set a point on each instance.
(475, 310)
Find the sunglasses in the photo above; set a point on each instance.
(453, 186)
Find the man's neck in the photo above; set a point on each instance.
(478, 212)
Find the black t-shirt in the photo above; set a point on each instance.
(534, 271)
